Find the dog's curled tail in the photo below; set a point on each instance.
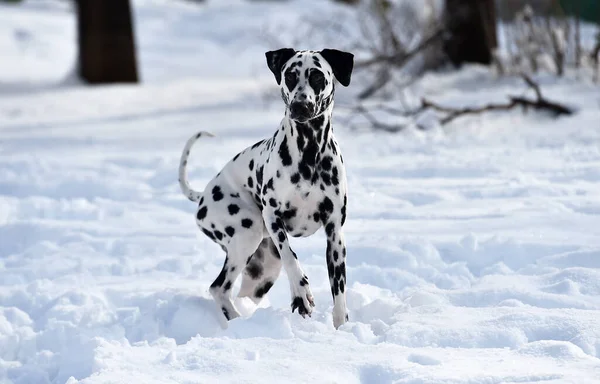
(183, 180)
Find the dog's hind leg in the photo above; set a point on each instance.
(238, 254)
(260, 273)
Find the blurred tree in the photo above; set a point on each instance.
(106, 41)
(470, 31)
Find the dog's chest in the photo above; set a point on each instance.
(300, 192)
(300, 206)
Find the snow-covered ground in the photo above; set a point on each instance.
(473, 250)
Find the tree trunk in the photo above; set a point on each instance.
(471, 31)
(106, 42)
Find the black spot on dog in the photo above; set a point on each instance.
(246, 223)
(291, 79)
(330, 269)
(281, 237)
(275, 226)
(217, 194)
(295, 179)
(209, 234)
(274, 250)
(236, 156)
(257, 144)
(221, 278)
(329, 229)
(289, 213)
(334, 176)
(255, 270)
(233, 209)
(338, 271)
(343, 211)
(251, 165)
(230, 231)
(300, 142)
(272, 202)
(235, 195)
(250, 182)
(325, 208)
(335, 255)
(227, 286)
(303, 281)
(317, 81)
(284, 153)
(305, 171)
(262, 290)
(218, 235)
(259, 175)
(225, 313)
(201, 213)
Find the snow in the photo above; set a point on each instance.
(473, 249)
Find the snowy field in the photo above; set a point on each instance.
(473, 250)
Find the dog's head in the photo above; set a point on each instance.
(306, 78)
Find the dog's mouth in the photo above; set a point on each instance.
(301, 112)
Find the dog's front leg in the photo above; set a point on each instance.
(302, 298)
(336, 268)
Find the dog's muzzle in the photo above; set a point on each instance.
(301, 111)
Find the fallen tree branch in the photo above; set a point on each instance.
(539, 103)
(376, 124)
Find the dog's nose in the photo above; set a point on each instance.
(300, 110)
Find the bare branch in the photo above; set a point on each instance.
(376, 124)
(533, 85)
(540, 103)
(382, 78)
(401, 58)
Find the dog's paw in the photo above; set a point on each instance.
(340, 315)
(304, 305)
(302, 298)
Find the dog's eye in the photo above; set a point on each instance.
(317, 80)
(290, 80)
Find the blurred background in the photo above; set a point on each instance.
(108, 41)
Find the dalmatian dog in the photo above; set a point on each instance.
(290, 184)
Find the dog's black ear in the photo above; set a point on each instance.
(341, 62)
(277, 59)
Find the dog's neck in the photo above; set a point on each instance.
(309, 138)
